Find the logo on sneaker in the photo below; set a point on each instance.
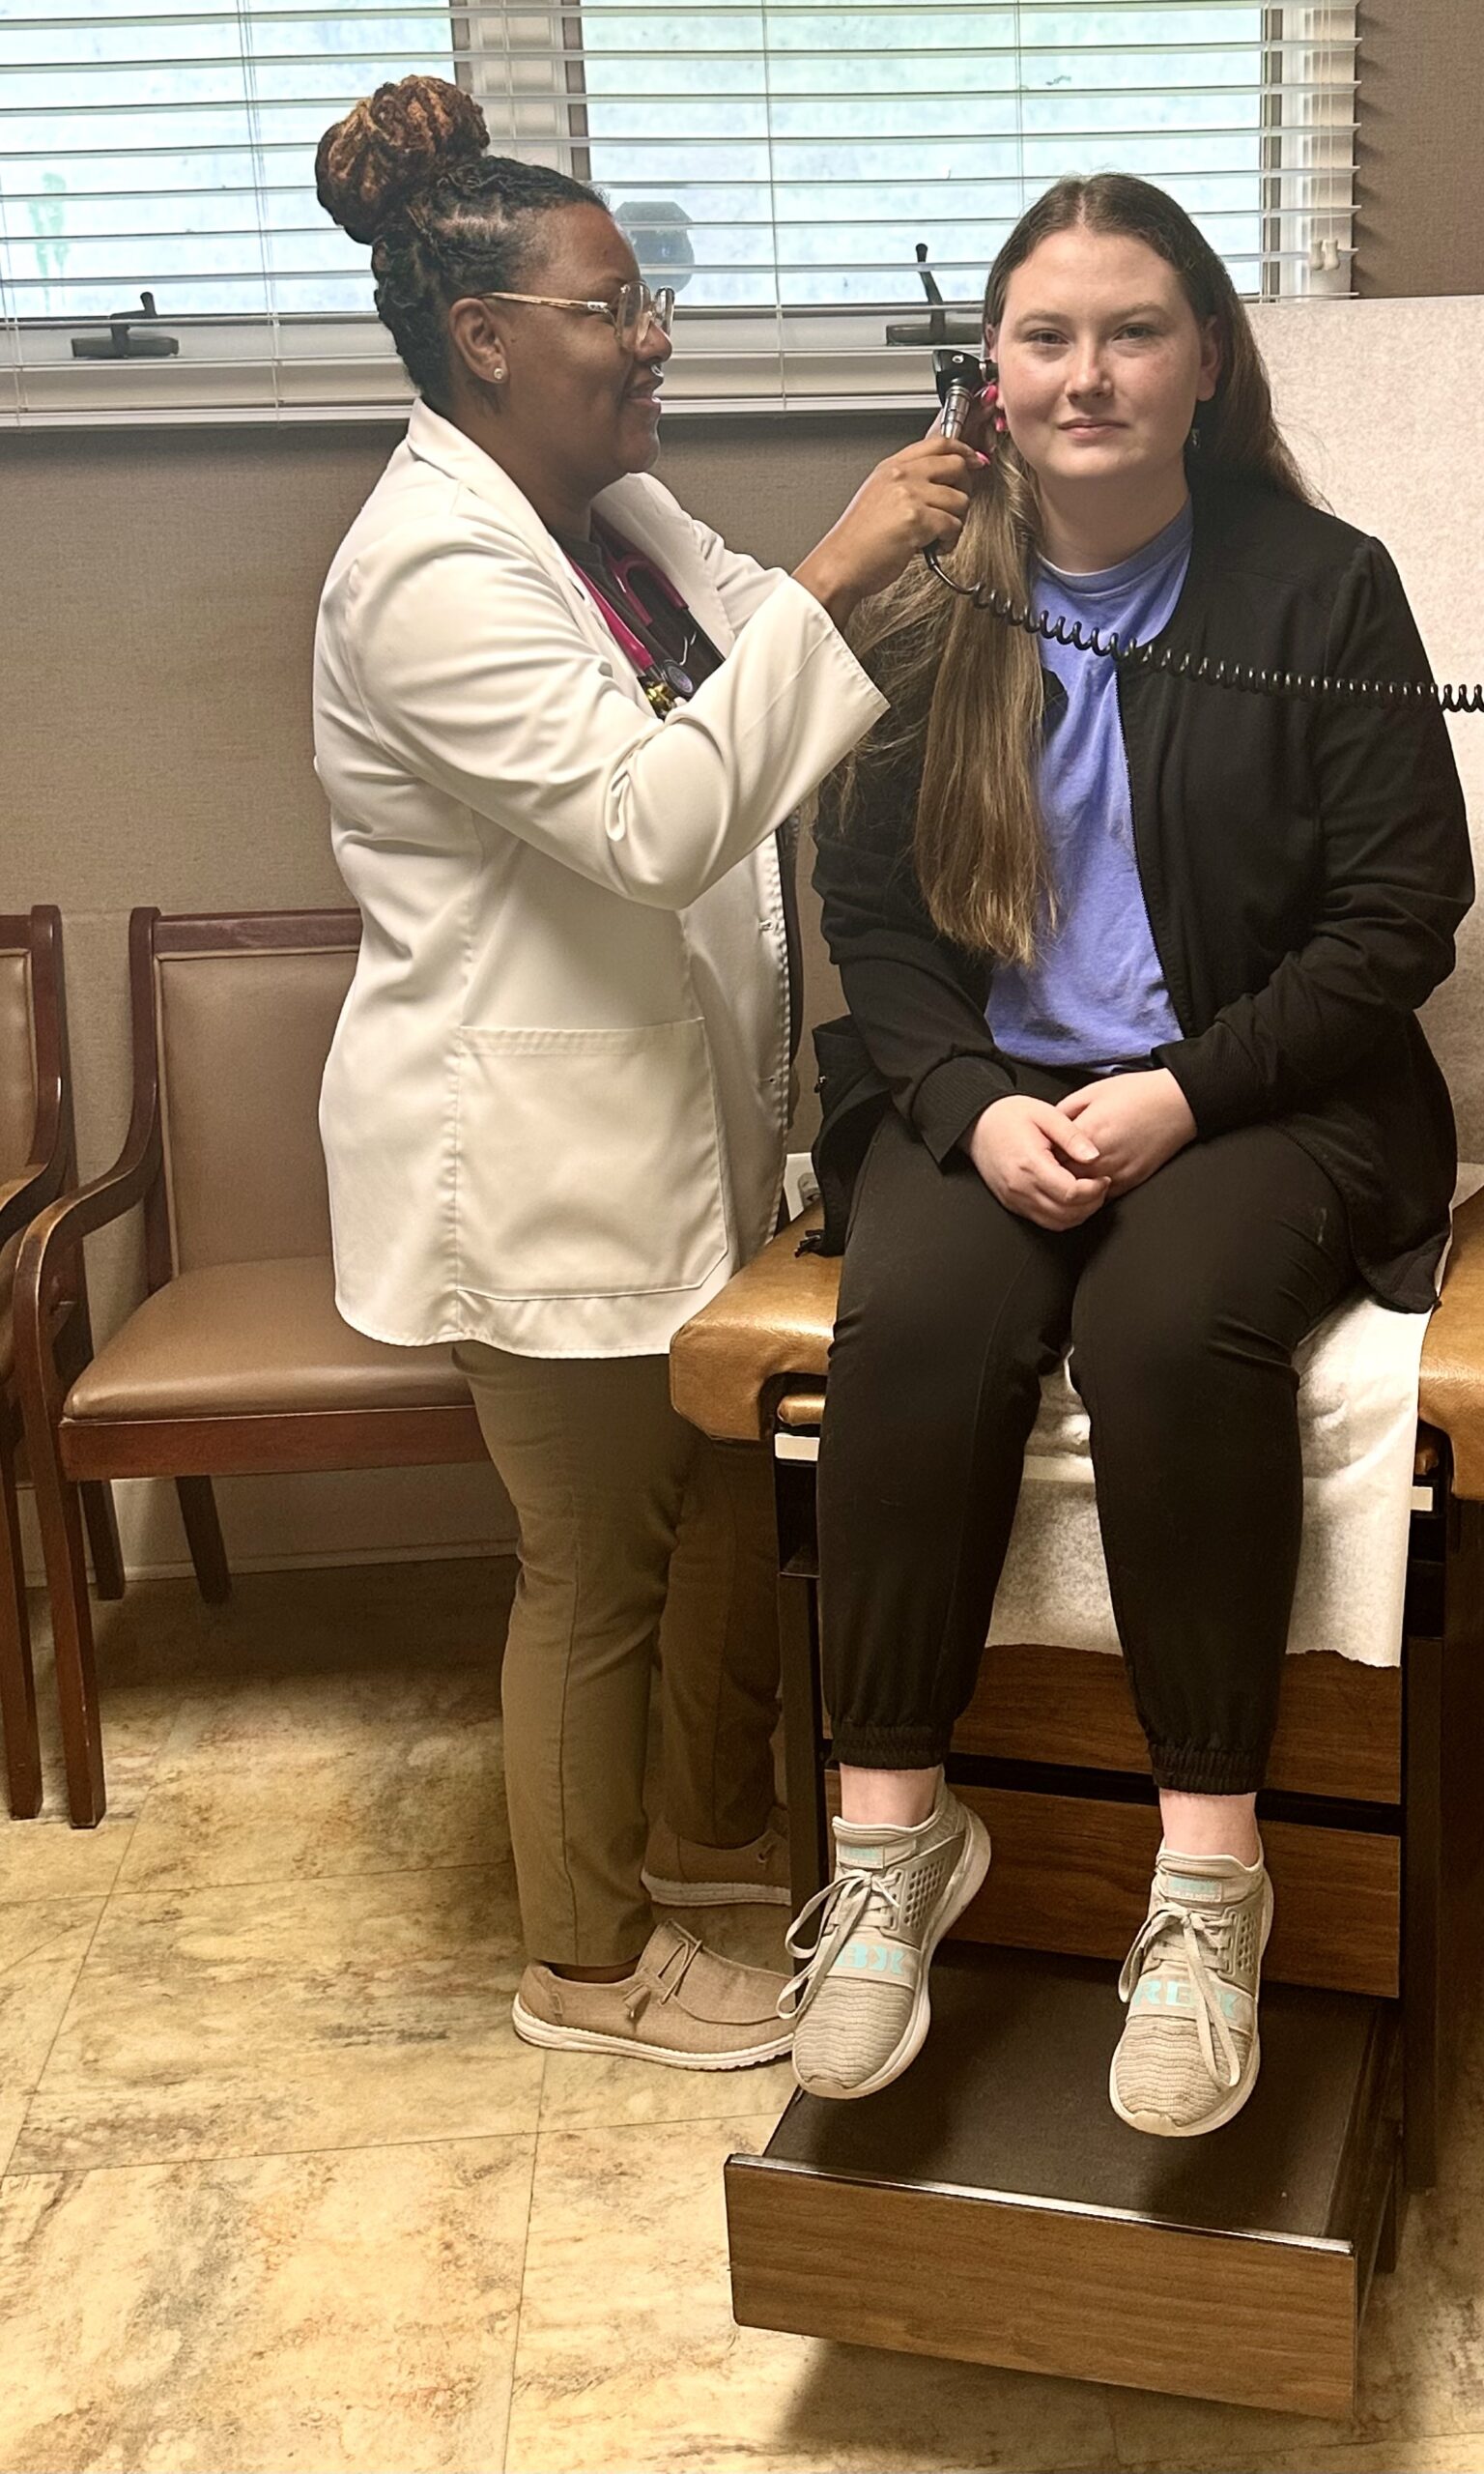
(874, 1958)
(1172, 1993)
(1186, 1888)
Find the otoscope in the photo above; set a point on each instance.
(961, 378)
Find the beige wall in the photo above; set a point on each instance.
(1419, 148)
(155, 636)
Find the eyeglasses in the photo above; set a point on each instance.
(631, 315)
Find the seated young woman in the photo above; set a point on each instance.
(1132, 967)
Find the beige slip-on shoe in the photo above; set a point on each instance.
(681, 1872)
(682, 2005)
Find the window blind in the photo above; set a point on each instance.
(794, 169)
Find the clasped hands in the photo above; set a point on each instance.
(1057, 1163)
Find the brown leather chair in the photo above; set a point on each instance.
(1234, 2266)
(237, 1360)
(37, 1161)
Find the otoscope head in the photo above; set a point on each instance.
(959, 377)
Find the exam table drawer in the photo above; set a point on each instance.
(989, 2207)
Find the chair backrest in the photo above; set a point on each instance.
(243, 1010)
(18, 1048)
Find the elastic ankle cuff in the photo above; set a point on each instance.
(1207, 1770)
(889, 1747)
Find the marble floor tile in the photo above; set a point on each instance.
(451, 1613)
(288, 2016)
(46, 1859)
(628, 2358)
(338, 2313)
(307, 1775)
(590, 2091)
(43, 1945)
(13, 2113)
(137, 1721)
(1457, 2452)
(160, 1646)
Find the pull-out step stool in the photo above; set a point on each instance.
(990, 2207)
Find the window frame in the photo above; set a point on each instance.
(250, 369)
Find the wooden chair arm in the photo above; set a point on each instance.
(22, 1198)
(1451, 1391)
(49, 1164)
(53, 1235)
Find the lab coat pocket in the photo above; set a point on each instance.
(589, 1162)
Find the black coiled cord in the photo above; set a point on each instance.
(1207, 673)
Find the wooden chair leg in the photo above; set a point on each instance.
(18, 1678)
(103, 1528)
(59, 1513)
(203, 1536)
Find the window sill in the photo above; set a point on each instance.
(249, 373)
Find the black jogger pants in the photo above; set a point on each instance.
(1183, 1303)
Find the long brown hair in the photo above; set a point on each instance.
(967, 692)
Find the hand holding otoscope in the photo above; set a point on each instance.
(914, 500)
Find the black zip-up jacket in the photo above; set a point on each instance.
(1305, 866)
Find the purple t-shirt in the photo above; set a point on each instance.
(1095, 997)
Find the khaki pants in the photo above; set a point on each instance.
(635, 1532)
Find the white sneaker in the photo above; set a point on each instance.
(860, 2004)
(1188, 2057)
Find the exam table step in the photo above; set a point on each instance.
(990, 2207)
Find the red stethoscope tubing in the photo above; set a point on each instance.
(623, 634)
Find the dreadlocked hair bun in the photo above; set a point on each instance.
(392, 144)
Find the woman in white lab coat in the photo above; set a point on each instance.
(560, 725)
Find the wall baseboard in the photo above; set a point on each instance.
(298, 1523)
(323, 1559)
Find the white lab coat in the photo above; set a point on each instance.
(554, 1107)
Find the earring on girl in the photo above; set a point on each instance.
(992, 395)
